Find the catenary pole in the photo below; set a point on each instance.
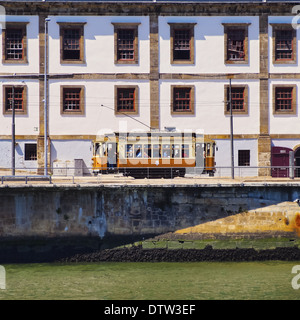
(46, 100)
(231, 132)
(13, 133)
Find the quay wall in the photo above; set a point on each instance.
(46, 223)
(122, 210)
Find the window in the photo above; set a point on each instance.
(236, 43)
(14, 43)
(182, 101)
(72, 42)
(244, 158)
(72, 100)
(182, 43)
(126, 43)
(185, 151)
(239, 99)
(14, 96)
(284, 99)
(30, 152)
(147, 151)
(126, 99)
(156, 151)
(129, 151)
(284, 44)
(138, 151)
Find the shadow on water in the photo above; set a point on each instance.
(42, 249)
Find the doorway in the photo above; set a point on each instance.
(297, 163)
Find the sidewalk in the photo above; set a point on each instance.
(32, 179)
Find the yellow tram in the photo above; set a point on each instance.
(153, 154)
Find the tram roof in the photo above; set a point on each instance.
(110, 136)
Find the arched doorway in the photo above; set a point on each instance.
(297, 162)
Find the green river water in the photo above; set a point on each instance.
(272, 280)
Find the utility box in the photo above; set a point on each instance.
(78, 167)
(68, 167)
(59, 168)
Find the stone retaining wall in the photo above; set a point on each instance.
(126, 210)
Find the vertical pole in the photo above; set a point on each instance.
(45, 100)
(13, 140)
(231, 132)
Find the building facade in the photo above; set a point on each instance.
(162, 63)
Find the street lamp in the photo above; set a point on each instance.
(231, 131)
(13, 133)
(45, 99)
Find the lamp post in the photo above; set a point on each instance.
(231, 132)
(13, 133)
(45, 99)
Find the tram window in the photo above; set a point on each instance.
(166, 151)
(138, 150)
(176, 151)
(156, 151)
(129, 151)
(147, 151)
(208, 150)
(97, 149)
(104, 149)
(185, 151)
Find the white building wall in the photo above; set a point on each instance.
(284, 124)
(223, 157)
(20, 162)
(99, 45)
(283, 68)
(209, 108)
(209, 45)
(287, 143)
(27, 124)
(97, 117)
(64, 152)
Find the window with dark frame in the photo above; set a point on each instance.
(182, 48)
(237, 98)
(14, 44)
(181, 99)
(244, 158)
(125, 44)
(30, 152)
(182, 44)
(14, 95)
(236, 44)
(283, 98)
(71, 43)
(284, 44)
(72, 99)
(125, 99)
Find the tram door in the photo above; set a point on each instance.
(111, 151)
(200, 158)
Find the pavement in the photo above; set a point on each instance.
(22, 178)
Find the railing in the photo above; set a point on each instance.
(73, 175)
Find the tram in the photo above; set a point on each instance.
(153, 154)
